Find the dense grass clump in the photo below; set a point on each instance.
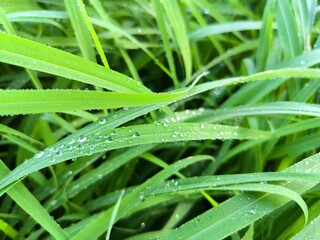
(159, 119)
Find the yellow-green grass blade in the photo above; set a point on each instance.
(177, 20)
(29, 54)
(8, 230)
(21, 195)
(93, 33)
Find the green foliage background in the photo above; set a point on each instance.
(159, 119)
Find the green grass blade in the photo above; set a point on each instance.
(215, 29)
(244, 209)
(113, 215)
(179, 27)
(265, 36)
(133, 199)
(73, 8)
(21, 195)
(93, 33)
(127, 137)
(29, 54)
(309, 232)
(287, 30)
(41, 101)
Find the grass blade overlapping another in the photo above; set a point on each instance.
(107, 140)
(29, 54)
(179, 27)
(21, 195)
(244, 209)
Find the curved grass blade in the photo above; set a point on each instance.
(312, 231)
(264, 109)
(107, 140)
(133, 199)
(246, 208)
(29, 54)
(21, 195)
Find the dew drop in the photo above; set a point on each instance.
(142, 225)
(253, 211)
(136, 135)
(82, 139)
(39, 154)
(201, 126)
(102, 121)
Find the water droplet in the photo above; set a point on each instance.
(69, 173)
(165, 124)
(142, 225)
(39, 154)
(109, 139)
(136, 135)
(102, 121)
(177, 216)
(82, 139)
(114, 133)
(141, 196)
(221, 133)
(52, 160)
(201, 126)
(253, 210)
(206, 11)
(139, 30)
(138, 84)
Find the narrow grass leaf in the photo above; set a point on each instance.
(287, 30)
(179, 27)
(73, 8)
(41, 101)
(113, 215)
(21, 195)
(127, 137)
(29, 54)
(244, 209)
(216, 29)
(312, 231)
(133, 199)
